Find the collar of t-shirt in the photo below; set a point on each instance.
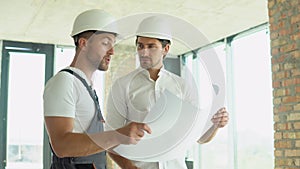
(81, 74)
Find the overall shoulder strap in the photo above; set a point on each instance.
(90, 90)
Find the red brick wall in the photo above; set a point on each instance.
(284, 18)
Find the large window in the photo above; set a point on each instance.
(205, 156)
(247, 141)
(25, 120)
(24, 68)
(253, 101)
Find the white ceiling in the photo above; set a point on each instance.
(50, 21)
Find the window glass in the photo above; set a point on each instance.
(248, 136)
(63, 57)
(24, 117)
(253, 101)
(215, 154)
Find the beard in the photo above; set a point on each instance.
(103, 66)
(147, 62)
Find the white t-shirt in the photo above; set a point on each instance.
(137, 92)
(66, 96)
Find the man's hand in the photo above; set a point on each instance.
(220, 119)
(133, 132)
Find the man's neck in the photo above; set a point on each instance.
(154, 73)
(84, 68)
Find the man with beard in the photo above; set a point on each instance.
(72, 113)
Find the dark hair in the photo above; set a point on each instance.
(87, 35)
(163, 42)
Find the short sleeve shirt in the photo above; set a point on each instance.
(66, 96)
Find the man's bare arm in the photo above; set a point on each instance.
(65, 143)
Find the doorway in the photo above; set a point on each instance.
(25, 67)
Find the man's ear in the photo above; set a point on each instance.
(166, 49)
(82, 42)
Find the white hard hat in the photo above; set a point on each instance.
(94, 19)
(155, 27)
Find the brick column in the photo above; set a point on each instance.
(284, 18)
